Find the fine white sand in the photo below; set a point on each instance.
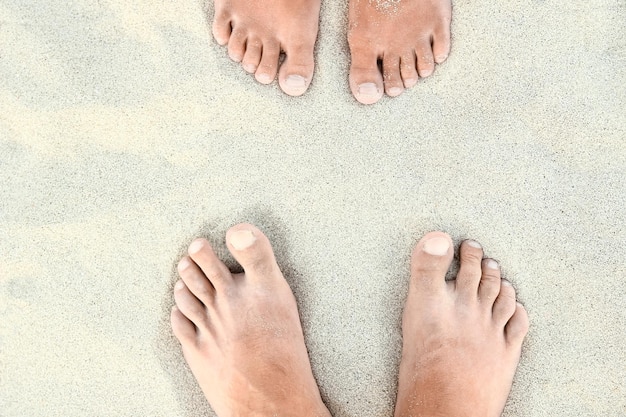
(125, 131)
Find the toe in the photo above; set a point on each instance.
(251, 248)
(366, 81)
(425, 60)
(183, 329)
(237, 45)
(489, 282)
(252, 56)
(441, 44)
(296, 71)
(430, 261)
(195, 280)
(517, 327)
(214, 273)
(391, 75)
(504, 306)
(189, 305)
(408, 70)
(468, 278)
(221, 28)
(266, 72)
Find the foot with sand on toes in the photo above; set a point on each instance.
(462, 339)
(241, 333)
(242, 338)
(256, 32)
(395, 42)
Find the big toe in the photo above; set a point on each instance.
(441, 43)
(297, 70)
(252, 249)
(366, 80)
(430, 261)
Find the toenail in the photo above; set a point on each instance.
(264, 78)
(507, 283)
(368, 90)
(295, 81)
(474, 244)
(249, 67)
(242, 239)
(196, 246)
(184, 264)
(179, 285)
(437, 246)
(491, 264)
(441, 58)
(395, 91)
(410, 82)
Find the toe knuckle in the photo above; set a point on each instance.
(471, 256)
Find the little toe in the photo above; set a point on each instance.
(490, 281)
(366, 81)
(517, 327)
(391, 76)
(252, 249)
(189, 305)
(430, 261)
(237, 45)
(408, 70)
(504, 306)
(470, 270)
(214, 272)
(441, 44)
(183, 329)
(425, 59)
(221, 28)
(296, 71)
(195, 280)
(266, 72)
(252, 56)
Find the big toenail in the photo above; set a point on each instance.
(184, 264)
(437, 246)
(179, 285)
(491, 264)
(242, 239)
(395, 91)
(195, 246)
(368, 90)
(474, 244)
(295, 81)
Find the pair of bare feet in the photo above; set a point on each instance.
(392, 42)
(242, 338)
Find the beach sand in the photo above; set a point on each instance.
(125, 132)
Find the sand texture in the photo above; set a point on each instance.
(125, 132)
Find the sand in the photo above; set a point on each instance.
(125, 131)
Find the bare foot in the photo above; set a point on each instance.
(257, 31)
(461, 339)
(241, 333)
(409, 36)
